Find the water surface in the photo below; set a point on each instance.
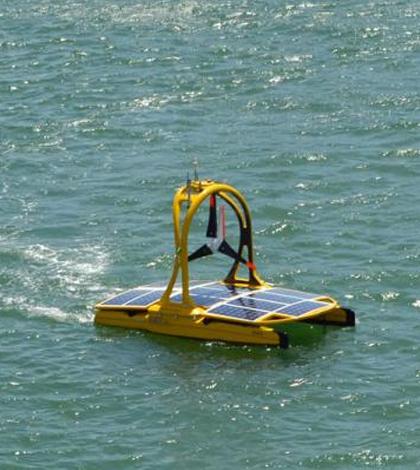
(312, 109)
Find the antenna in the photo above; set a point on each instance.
(195, 163)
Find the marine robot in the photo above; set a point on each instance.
(239, 310)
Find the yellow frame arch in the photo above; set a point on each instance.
(194, 194)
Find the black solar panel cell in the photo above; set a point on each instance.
(201, 283)
(122, 299)
(226, 290)
(220, 294)
(214, 287)
(237, 312)
(204, 300)
(278, 298)
(301, 308)
(292, 293)
(252, 301)
(146, 299)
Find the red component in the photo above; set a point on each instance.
(212, 200)
(251, 265)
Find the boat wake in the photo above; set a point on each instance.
(60, 284)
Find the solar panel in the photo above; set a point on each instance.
(210, 293)
(255, 304)
(146, 299)
(225, 289)
(216, 294)
(237, 312)
(203, 300)
(219, 291)
(277, 298)
(202, 283)
(135, 297)
(125, 297)
(236, 302)
(301, 308)
(292, 293)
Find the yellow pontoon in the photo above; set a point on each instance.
(248, 311)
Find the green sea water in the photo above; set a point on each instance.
(312, 109)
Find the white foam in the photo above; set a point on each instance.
(60, 275)
(59, 315)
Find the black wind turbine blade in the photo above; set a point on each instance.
(212, 225)
(204, 250)
(227, 250)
